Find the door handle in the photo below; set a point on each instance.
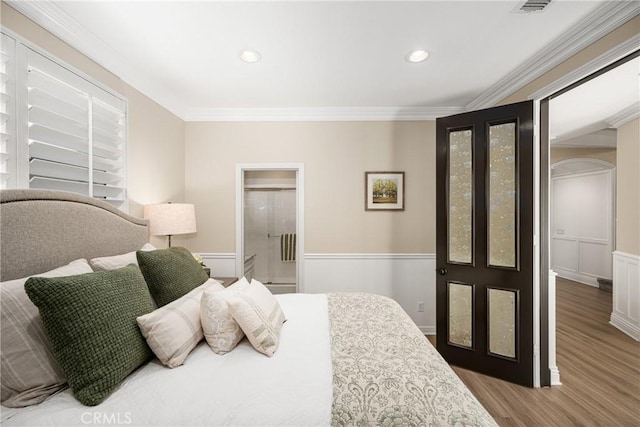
(442, 271)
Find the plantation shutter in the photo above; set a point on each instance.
(8, 159)
(76, 133)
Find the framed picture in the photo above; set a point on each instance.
(384, 191)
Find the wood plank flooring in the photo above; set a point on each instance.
(599, 369)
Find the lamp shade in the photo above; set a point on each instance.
(169, 219)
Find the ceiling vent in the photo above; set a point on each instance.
(532, 6)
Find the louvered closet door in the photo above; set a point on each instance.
(76, 133)
(7, 113)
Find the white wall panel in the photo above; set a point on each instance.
(565, 254)
(595, 259)
(406, 278)
(582, 225)
(626, 294)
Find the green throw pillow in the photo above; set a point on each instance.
(170, 273)
(91, 322)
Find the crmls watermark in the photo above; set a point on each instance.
(106, 418)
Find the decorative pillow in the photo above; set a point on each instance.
(118, 261)
(91, 321)
(174, 330)
(220, 330)
(170, 273)
(28, 369)
(260, 317)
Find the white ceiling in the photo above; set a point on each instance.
(585, 115)
(331, 58)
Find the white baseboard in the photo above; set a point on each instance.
(626, 294)
(555, 376)
(625, 326)
(577, 277)
(428, 330)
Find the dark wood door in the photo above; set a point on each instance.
(484, 286)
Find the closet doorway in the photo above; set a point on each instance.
(269, 225)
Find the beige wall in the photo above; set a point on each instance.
(335, 156)
(156, 136)
(563, 153)
(628, 189)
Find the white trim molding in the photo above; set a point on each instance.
(407, 278)
(626, 294)
(553, 367)
(319, 114)
(603, 20)
(298, 168)
(623, 117)
(623, 49)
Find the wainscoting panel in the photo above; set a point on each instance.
(409, 279)
(626, 294)
(221, 265)
(582, 225)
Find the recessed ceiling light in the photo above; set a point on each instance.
(250, 56)
(417, 56)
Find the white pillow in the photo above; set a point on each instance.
(173, 330)
(220, 330)
(118, 261)
(260, 317)
(28, 369)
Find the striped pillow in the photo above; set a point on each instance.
(173, 330)
(29, 371)
(260, 317)
(118, 261)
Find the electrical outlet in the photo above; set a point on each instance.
(420, 306)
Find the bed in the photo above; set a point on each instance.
(342, 359)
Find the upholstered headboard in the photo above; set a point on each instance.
(41, 230)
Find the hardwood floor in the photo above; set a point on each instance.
(599, 369)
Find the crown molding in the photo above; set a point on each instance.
(602, 21)
(53, 19)
(623, 117)
(319, 114)
(48, 15)
(623, 49)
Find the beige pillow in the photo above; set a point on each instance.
(260, 317)
(173, 330)
(29, 371)
(118, 261)
(220, 330)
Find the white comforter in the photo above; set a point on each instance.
(243, 387)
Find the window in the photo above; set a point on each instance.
(63, 131)
(7, 113)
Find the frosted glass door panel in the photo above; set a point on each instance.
(502, 322)
(460, 196)
(282, 219)
(460, 314)
(502, 195)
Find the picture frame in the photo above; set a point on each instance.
(384, 191)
